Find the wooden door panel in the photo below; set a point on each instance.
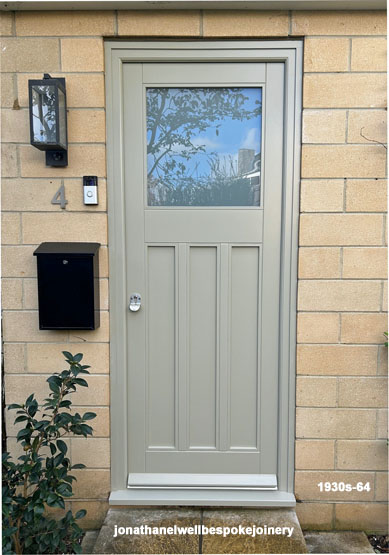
(203, 225)
(160, 305)
(244, 347)
(202, 341)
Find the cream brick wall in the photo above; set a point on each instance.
(342, 266)
(341, 363)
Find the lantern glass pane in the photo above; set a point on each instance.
(62, 119)
(44, 114)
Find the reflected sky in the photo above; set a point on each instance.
(224, 136)
(203, 145)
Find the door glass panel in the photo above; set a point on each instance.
(204, 146)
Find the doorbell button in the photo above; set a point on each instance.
(90, 189)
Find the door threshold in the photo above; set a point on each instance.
(219, 498)
(177, 480)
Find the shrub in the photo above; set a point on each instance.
(41, 478)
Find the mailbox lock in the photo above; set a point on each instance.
(135, 302)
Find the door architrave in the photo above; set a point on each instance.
(117, 53)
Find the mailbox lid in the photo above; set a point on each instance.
(70, 249)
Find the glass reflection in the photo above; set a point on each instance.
(44, 114)
(203, 146)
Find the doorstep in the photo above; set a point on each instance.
(199, 543)
(317, 542)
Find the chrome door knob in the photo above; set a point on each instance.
(135, 302)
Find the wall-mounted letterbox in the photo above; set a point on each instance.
(68, 286)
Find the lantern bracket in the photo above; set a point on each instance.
(60, 79)
(56, 158)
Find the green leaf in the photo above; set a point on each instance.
(76, 528)
(67, 355)
(39, 509)
(52, 448)
(62, 446)
(81, 381)
(9, 531)
(58, 459)
(86, 430)
(60, 503)
(23, 433)
(78, 357)
(14, 406)
(51, 499)
(20, 418)
(89, 416)
(64, 489)
(33, 408)
(41, 424)
(78, 465)
(54, 387)
(80, 514)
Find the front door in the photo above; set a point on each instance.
(202, 174)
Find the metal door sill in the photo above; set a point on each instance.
(152, 480)
(204, 497)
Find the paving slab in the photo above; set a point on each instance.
(137, 543)
(271, 534)
(88, 541)
(338, 542)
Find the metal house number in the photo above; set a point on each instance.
(59, 198)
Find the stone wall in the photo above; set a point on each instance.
(341, 363)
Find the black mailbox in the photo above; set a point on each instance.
(68, 286)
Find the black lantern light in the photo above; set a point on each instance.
(48, 122)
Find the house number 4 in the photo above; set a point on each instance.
(59, 197)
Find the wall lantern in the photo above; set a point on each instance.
(48, 121)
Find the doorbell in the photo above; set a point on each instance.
(90, 189)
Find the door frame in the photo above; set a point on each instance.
(118, 52)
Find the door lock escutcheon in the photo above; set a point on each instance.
(135, 302)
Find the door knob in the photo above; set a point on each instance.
(135, 302)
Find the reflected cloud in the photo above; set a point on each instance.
(251, 140)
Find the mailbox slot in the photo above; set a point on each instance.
(68, 286)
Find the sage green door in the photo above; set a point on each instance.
(202, 167)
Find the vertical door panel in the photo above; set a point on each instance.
(202, 343)
(161, 328)
(244, 347)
